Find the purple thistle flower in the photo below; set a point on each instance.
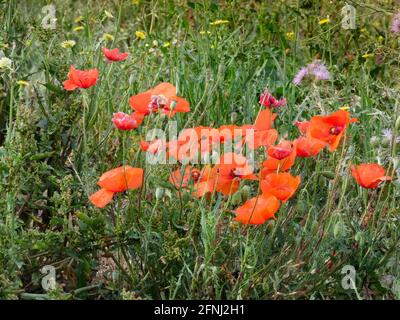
(395, 25)
(387, 133)
(300, 75)
(316, 69)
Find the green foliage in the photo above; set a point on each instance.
(55, 144)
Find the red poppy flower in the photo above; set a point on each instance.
(264, 138)
(116, 180)
(330, 128)
(303, 126)
(281, 150)
(205, 185)
(269, 101)
(281, 157)
(258, 209)
(125, 121)
(281, 185)
(369, 175)
(161, 98)
(264, 120)
(153, 147)
(80, 79)
(114, 54)
(231, 169)
(308, 146)
(190, 174)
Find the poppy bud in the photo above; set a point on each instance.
(396, 162)
(237, 198)
(359, 238)
(245, 193)
(338, 229)
(301, 207)
(159, 193)
(173, 105)
(374, 141)
(397, 125)
(328, 174)
(234, 116)
(385, 142)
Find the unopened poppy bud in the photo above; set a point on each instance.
(234, 116)
(215, 157)
(374, 141)
(397, 124)
(245, 193)
(396, 162)
(338, 229)
(328, 174)
(237, 198)
(159, 193)
(385, 142)
(301, 207)
(358, 237)
(173, 105)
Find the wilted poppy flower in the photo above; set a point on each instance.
(231, 169)
(308, 146)
(114, 54)
(269, 101)
(125, 121)
(369, 175)
(280, 158)
(80, 79)
(281, 185)
(330, 128)
(258, 209)
(161, 98)
(116, 180)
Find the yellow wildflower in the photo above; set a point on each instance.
(324, 21)
(218, 22)
(68, 44)
(23, 83)
(108, 37)
(345, 107)
(108, 14)
(166, 44)
(290, 35)
(78, 19)
(202, 32)
(140, 35)
(78, 28)
(135, 2)
(367, 55)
